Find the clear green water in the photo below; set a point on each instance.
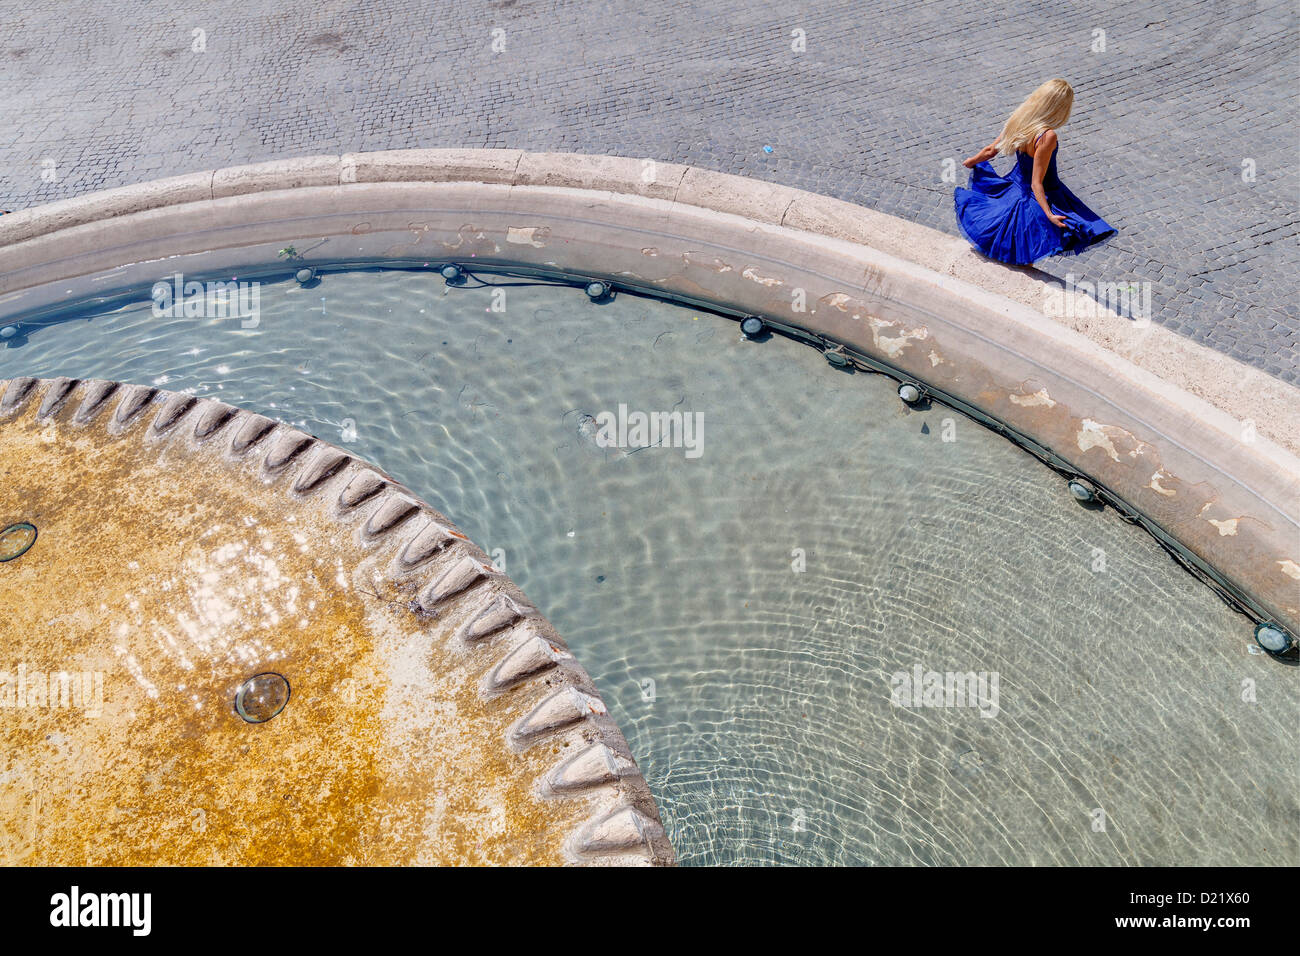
(768, 733)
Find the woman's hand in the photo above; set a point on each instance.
(988, 152)
(1056, 220)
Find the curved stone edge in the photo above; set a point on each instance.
(1254, 398)
(1166, 452)
(623, 825)
(1246, 527)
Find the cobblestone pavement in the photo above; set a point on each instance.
(1184, 135)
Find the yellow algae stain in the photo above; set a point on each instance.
(175, 576)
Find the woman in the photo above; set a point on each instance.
(1027, 214)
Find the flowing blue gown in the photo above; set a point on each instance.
(1002, 219)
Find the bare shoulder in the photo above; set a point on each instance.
(1047, 142)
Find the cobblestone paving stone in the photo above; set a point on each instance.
(1183, 97)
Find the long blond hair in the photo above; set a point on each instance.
(1046, 108)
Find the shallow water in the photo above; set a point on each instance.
(743, 612)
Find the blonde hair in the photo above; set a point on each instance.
(1046, 108)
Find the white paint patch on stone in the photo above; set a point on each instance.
(462, 239)
(761, 280)
(1096, 435)
(1092, 435)
(894, 344)
(836, 300)
(528, 235)
(1226, 527)
(937, 359)
(705, 261)
(1159, 476)
(1039, 397)
(1290, 569)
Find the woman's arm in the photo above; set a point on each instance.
(988, 152)
(1043, 156)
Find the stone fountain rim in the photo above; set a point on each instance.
(516, 649)
(1193, 398)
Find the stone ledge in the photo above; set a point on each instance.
(1246, 393)
(1189, 403)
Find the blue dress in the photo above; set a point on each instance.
(1003, 220)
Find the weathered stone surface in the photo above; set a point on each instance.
(284, 174)
(561, 709)
(322, 463)
(134, 400)
(285, 446)
(532, 656)
(727, 94)
(56, 396)
(211, 418)
(395, 745)
(623, 830)
(364, 486)
(173, 409)
(501, 613)
(16, 394)
(251, 431)
(392, 511)
(462, 574)
(643, 177)
(95, 396)
(431, 166)
(432, 537)
(593, 767)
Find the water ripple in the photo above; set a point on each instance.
(756, 696)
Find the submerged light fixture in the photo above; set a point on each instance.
(16, 540)
(452, 273)
(910, 393)
(1083, 491)
(261, 697)
(752, 326)
(598, 291)
(305, 275)
(1272, 638)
